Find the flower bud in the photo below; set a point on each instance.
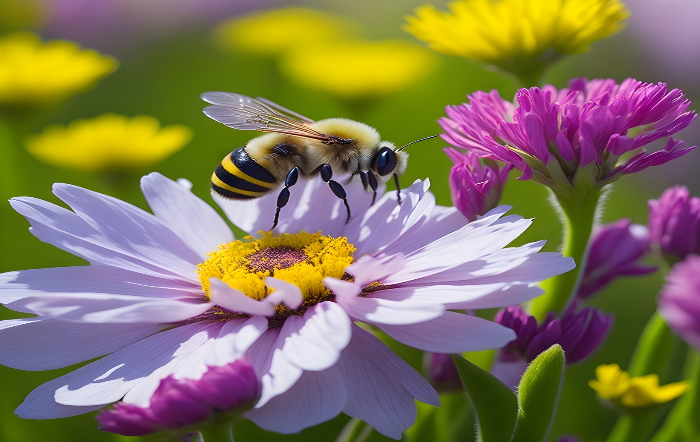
(182, 406)
(674, 223)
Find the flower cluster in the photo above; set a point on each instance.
(573, 137)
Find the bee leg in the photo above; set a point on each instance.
(283, 197)
(373, 184)
(336, 187)
(398, 188)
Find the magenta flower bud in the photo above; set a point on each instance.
(679, 301)
(579, 334)
(181, 404)
(475, 188)
(614, 251)
(576, 135)
(442, 372)
(674, 223)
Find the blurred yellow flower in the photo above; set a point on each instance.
(357, 69)
(108, 143)
(517, 35)
(618, 387)
(278, 30)
(33, 72)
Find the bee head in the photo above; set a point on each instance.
(388, 161)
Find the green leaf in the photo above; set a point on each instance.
(495, 405)
(538, 395)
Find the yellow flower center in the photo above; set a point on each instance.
(302, 259)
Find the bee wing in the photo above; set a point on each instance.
(246, 113)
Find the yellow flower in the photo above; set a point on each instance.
(33, 72)
(276, 31)
(618, 387)
(517, 35)
(108, 143)
(357, 69)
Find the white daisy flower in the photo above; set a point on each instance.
(170, 294)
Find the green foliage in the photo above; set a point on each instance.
(495, 405)
(538, 395)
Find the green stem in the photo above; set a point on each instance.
(683, 422)
(633, 428)
(222, 432)
(578, 212)
(653, 348)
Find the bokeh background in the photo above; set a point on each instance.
(169, 52)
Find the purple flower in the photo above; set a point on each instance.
(573, 135)
(679, 301)
(179, 403)
(674, 223)
(579, 334)
(442, 372)
(614, 251)
(569, 439)
(475, 188)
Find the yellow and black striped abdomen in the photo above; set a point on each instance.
(240, 177)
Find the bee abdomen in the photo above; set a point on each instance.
(238, 176)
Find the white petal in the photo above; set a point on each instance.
(234, 300)
(452, 333)
(46, 344)
(315, 340)
(315, 398)
(381, 311)
(308, 196)
(439, 222)
(108, 379)
(377, 227)
(193, 220)
(367, 269)
(235, 338)
(466, 244)
(381, 387)
(421, 297)
(285, 293)
(276, 373)
(106, 308)
(132, 240)
(90, 280)
(509, 295)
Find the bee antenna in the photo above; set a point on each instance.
(413, 142)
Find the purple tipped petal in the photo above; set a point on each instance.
(674, 223)
(679, 301)
(178, 403)
(579, 334)
(614, 251)
(475, 188)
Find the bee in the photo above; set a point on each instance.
(297, 146)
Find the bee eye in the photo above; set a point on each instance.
(386, 161)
